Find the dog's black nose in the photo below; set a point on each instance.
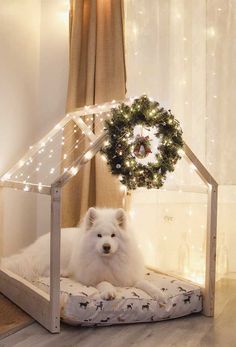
(106, 247)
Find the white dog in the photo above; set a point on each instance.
(101, 253)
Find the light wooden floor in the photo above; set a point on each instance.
(193, 331)
(12, 318)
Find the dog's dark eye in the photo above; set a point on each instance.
(113, 235)
(99, 235)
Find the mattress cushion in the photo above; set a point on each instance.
(82, 305)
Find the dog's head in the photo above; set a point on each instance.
(104, 229)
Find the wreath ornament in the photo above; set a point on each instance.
(142, 146)
(124, 150)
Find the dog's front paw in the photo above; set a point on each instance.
(108, 294)
(106, 290)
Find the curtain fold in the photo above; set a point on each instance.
(96, 74)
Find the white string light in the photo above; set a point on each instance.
(88, 155)
(122, 188)
(73, 170)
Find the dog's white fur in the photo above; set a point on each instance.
(101, 253)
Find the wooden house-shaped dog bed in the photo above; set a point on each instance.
(43, 302)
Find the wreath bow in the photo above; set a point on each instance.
(142, 146)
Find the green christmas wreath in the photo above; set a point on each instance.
(123, 152)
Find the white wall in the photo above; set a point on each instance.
(53, 68)
(19, 60)
(53, 79)
(19, 42)
(33, 70)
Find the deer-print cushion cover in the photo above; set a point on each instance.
(81, 305)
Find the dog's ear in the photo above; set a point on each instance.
(121, 218)
(90, 217)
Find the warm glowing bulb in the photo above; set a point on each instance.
(132, 213)
(73, 170)
(88, 155)
(180, 152)
(26, 188)
(122, 188)
(211, 32)
(103, 158)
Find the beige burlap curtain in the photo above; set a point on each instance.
(96, 74)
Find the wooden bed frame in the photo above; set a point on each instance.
(45, 308)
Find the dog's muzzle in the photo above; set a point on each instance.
(106, 248)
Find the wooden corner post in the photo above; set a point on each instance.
(209, 288)
(55, 245)
(209, 295)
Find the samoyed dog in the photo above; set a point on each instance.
(101, 253)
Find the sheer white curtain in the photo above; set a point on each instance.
(166, 58)
(221, 97)
(182, 53)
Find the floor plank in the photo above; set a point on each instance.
(191, 331)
